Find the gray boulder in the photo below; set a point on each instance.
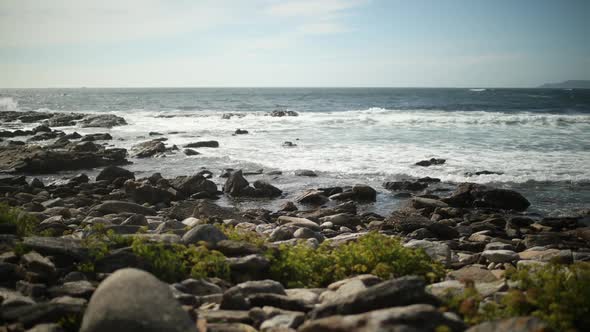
(102, 120)
(133, 300)
(207, 233)
(111, 173)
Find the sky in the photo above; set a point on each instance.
(283, 43)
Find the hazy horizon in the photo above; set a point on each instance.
(293, 43)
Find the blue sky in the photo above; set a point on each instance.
(435, 43)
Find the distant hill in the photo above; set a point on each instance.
(572, 84)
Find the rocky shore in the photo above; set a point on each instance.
(121, 253)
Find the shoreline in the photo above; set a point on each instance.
(236, 266)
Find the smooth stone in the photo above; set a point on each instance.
(133, 300)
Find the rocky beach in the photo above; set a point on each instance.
(88, 244)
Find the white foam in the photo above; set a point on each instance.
(8, 104)
(379, 143)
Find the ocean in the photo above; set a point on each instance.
(539, 139)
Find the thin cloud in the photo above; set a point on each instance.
(323, 28)
(304, 8)
(35, 23)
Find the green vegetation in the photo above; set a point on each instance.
(383, 256)
(169, 262)
(557, 294)
(173, 262)
(26, 224)
(242, 235)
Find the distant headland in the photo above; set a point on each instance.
(571, 84)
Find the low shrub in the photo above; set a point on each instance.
(242, 235)
(302, 266)
(26, 224)
(174, 262)
(557, 294)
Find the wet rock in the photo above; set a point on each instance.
(96, 137)
(312, 197)
(281, 113)
(41, 160)
(405, 185)
(190, 152)
(102, 120)
(483, 173)
(306, 172)
(240, 132)
(236, 185)
(203, 144)
(476, 195)
(189, 185)
(148, 149)
(364, 192)
(146, 193)
(111, 173)
(430, 162)
(134, 300)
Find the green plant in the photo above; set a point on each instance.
(71, 322)
(557, 294)
(26, 224)
(172, 262)
(242, 235)
(302, 266)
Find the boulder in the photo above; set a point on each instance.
(146, 193)
(438, 251)
(417, 317)
(133, 300)
(116, 207)
(102, 120)
(42, 160)
(236, 185)
(281, 113)
(148, 149)
(207, 233)
(312, 197)
(364, 192)
(392, 293)
(189, 185)
(306, 172)
(405, 185)
(203, 144)
(97, 137)
(111, 173)
(430, 162)
(476, 195)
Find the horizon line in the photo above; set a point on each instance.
(283, 87)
